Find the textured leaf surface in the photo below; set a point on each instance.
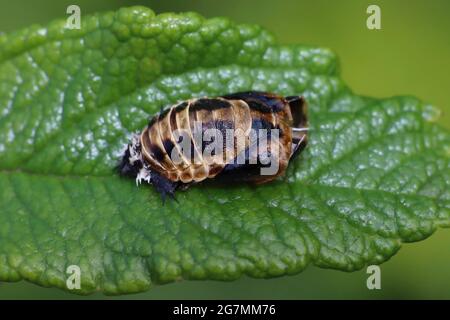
(375, 173)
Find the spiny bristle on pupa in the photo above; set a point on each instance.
(132, 164)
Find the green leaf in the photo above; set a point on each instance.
(374, 175)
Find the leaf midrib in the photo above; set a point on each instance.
(304, 183)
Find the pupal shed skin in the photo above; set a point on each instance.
(149, 155)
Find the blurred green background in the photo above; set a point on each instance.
(410, 55)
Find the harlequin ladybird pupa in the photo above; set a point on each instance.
(245, 136)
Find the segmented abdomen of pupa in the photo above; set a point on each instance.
(233, 116)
